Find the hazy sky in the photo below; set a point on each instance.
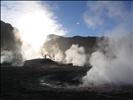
(79, 17)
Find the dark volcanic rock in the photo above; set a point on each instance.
(39, 62)
(49, 83)
(35, 70)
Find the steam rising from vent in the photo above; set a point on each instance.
(75, 50)
(34, 20)
(112, 63)
(6, 56)
(11, 57)
(10, 45)
(76, 55)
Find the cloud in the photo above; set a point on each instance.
(92, 21)
(101, 14)
(34, 20)
(77, 23)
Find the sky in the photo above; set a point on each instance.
(70, 18)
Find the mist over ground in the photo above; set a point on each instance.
(112, 62)
(66, 50)
(109, 56)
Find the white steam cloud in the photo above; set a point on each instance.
(6, 56)
(34, 20)
(10, 57)
(53, 52)
(76, 55)
(113, 63)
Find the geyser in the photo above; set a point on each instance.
(112, 63)
(34, 20)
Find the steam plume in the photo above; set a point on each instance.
(69, 49)
(76, 55)
(10, 45)
(34, 20)
(112, 63)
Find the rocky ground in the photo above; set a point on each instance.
(54, 82)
